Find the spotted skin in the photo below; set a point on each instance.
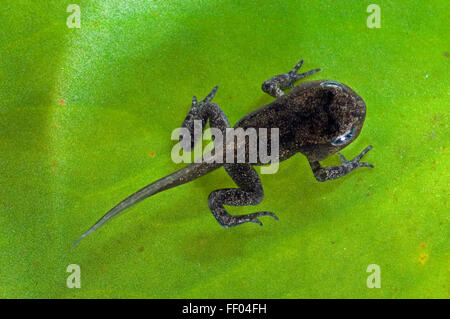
(316, 119)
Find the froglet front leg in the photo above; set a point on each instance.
(323, 174)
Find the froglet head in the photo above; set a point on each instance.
(333, 116)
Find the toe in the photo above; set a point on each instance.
(257, 221)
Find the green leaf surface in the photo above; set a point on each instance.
(86, 118)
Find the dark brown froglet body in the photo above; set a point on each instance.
(316, 118)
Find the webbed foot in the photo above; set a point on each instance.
(276, 85)
(249, 218)
(323, 174)
(207, 99)
(355, 162)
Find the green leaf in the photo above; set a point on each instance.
(86, 118)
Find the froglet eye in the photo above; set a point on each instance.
(343, 139)
(333, 84)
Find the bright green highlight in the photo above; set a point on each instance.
(86, 117)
